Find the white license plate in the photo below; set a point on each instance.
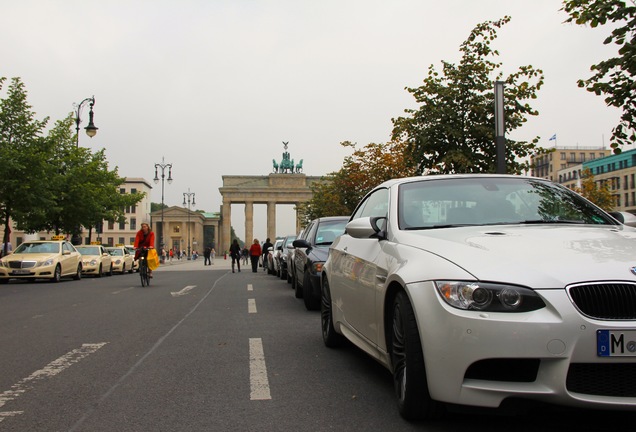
(20, 272)
(616, 343)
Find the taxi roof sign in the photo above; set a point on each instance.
(96, 243)
(58, 237)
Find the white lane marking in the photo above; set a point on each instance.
(251, 305)
(259, 384)
(55, 367)
(184, 291)
(249, 287)
(121, 291)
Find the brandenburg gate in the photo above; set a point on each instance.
(286, 185)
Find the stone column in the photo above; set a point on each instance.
(271, 220)
(297, 219)
(249, 223)
(227, 223)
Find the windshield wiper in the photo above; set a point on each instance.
(555, 221)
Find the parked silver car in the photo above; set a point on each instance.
(473, 289)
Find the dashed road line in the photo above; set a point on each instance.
(251, 305)
(259, 384)
(250, 287)
(55, 367)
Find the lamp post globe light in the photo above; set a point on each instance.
(190, 200)
(91, 129)
(163, 165)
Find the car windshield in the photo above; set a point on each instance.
(492, 200)
(116, 252)
(32, 248)
(88, 250)
(329, 230)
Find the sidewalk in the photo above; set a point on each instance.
(185, 265)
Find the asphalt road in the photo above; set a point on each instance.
(204, 349)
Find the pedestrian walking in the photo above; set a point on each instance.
(265, 251)
(255, 253)
(212, 255)
(235, 254)
(206, 255)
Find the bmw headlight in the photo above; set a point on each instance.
(489, 297)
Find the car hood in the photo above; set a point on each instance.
(30, 257)
(546, 256)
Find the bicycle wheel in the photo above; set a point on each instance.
(143, 272)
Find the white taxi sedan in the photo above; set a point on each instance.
(43, 259)
(123, 261)
(475, 289)
(96, 261)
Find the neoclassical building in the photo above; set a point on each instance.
(275, 188)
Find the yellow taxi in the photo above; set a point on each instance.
(43, 259)
(96, 260)
(131, 250)
(122, 259)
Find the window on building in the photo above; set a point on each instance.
(626, 199)
(122, 225)
(618, 200)
(133, 190)
(110, 242)
(121, 240)
(122, 191)
(131, 241)
(133, 223)
(176, 229)
(592, 156)
(625, 184)
(111, 225)
(618, 182)
(582, 155)
(133, 209)
(631, 181)
(562, 155)
(633, 198)
(601, 155)
(572, 157)
(562, 166)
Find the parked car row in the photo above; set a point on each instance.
(476, 289)
(299, 259)
(57, 258)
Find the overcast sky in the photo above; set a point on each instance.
(216, 86)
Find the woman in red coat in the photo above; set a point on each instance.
(145, 238)
(255, 253)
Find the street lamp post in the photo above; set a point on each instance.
(190, 200)
(163, 167)
(91, 129)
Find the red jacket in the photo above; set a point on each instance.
(148, 242)
(255, 249)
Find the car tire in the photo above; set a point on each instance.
(330, 337)
(123, 269)
(311, 302)
(57, 274)
(78, 273)
(407, 361)
(298, 292)
(99, 272)
(110, 271)
(132, 269)
(283, 274)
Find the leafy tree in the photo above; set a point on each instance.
(340, 192)
(157, 206)
(598, 194)
(84, 192)
(23, 171)
(453, 131)
(614, 77)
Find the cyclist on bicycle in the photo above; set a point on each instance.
(145, 238)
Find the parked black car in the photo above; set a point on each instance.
(282, 256)
(310, 253)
